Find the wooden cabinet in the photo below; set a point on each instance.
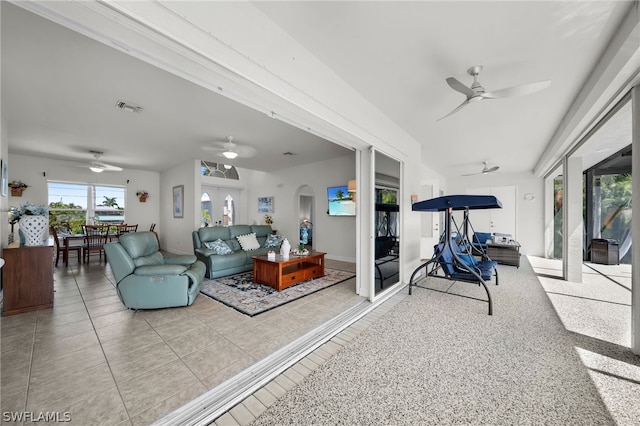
(27, 278)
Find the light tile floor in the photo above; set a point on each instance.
(103, 364)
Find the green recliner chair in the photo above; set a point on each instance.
(148, 280)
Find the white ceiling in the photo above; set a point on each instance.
(59, 91)
(59, 88)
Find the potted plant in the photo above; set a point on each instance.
(302, 250)
(142, 196)
(17, 187)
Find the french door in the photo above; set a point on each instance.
(219, 206)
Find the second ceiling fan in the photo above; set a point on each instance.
(477, 93)
(485, 170)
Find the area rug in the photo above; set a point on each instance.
(242, 294)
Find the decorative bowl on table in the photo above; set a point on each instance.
(297, 252)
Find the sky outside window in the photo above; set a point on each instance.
(76, 194)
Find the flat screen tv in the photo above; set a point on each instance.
(340, 201)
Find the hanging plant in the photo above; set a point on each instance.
(17, 187)
(142, 196)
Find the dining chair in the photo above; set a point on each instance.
(62, 248)
(152, 229)
(122, 229)
(95, 237)
(126, 229)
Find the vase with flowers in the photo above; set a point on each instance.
(33, 221)
(142, 196)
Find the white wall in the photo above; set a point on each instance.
(175, 235)
(37, 171)
(335, 236)
(529, 213)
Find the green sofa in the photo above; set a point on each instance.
(145, 279)
(220, 265)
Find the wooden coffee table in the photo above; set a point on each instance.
(282, 273)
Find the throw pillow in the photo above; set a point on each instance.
(273, 241)
(248, 241)
(218, 246)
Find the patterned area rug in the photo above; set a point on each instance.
(241, 293)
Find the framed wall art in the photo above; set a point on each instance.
(265, 204)
(178, 201)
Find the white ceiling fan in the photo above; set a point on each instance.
(476, 92)
(485, 170)
(230, 149)
(98, 166)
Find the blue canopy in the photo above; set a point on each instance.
(457, 202)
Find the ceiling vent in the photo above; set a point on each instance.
(127, 107)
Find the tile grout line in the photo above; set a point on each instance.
(222, 399)
(33, 349)
(106, 359)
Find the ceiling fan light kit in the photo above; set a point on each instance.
(477, 92)
(98, 166)
(230, 149)
(230, 154)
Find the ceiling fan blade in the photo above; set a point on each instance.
(112, 168)
(459, 87)
(106, 167)
(485, 170)
(455, 110)
(523, 89)
(245, 151)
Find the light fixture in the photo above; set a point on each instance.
(96, 169)
(230, 154)
(122, 105)
(227, 166)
